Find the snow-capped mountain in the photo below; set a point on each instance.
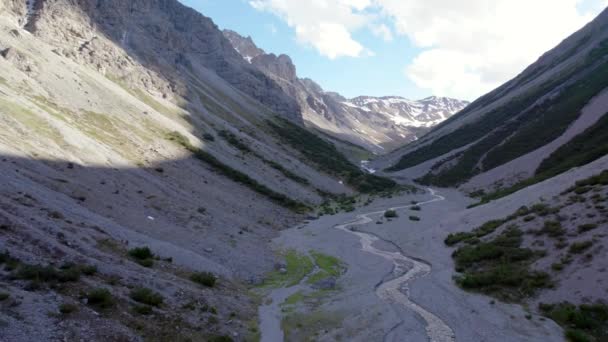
(378, 123)
(427, 112)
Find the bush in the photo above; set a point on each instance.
(586, 227)
(552, 228)
(586, 322)
(141, 253)
(455, 238)
(414, 218)
(101, 298)
(143, 256)
(143, 309)
(89, 270)
(390, 214)
(4, 296)
(221, 338)
(67, 308)
(416, 208)
(146, 296)
(500, 267)
(204, 278)
(580, 247)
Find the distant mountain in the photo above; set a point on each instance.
(547, 120)
(377, 123)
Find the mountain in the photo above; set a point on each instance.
(548, 119)
(139, 145)
(380, 124)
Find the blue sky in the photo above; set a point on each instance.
(411, 48)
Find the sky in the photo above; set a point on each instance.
(411, 48)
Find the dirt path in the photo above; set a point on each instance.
(396, 290)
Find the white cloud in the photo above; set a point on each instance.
(473, 46)
(324, 24)
(467, 47)
(382, 31)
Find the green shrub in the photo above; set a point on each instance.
(416, 208)
(89, 270)
(220, 338)
(414, 218)
(67, 308)
(100, 297)
(552, 228)
(204, 278)
(500, 267)
(143, 256)
(4, 296)
(141, 253)
(390, 213)
(143, 309)
(586, 227)
(455, 238)
(146, 296)
(580, 247)
(586, 322)
(488, 228)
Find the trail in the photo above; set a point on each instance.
(396, 290)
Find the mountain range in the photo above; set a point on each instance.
(164, 180)
(379, 124)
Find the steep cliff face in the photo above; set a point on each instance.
(379, 124)
(164, 36)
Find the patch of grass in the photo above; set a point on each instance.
(238, 176)
(587, 322)
(100, 297)
(304, 326)
(297, 267)
(206, 279)
(390, 214)
(294, 298)
(580, 247)
(329, 266)
(146, 296)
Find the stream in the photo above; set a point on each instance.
(393, 291)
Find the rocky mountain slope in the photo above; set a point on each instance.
(378, 124)
(131, 124)
(546, 120)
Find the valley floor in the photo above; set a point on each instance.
(403, 250)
